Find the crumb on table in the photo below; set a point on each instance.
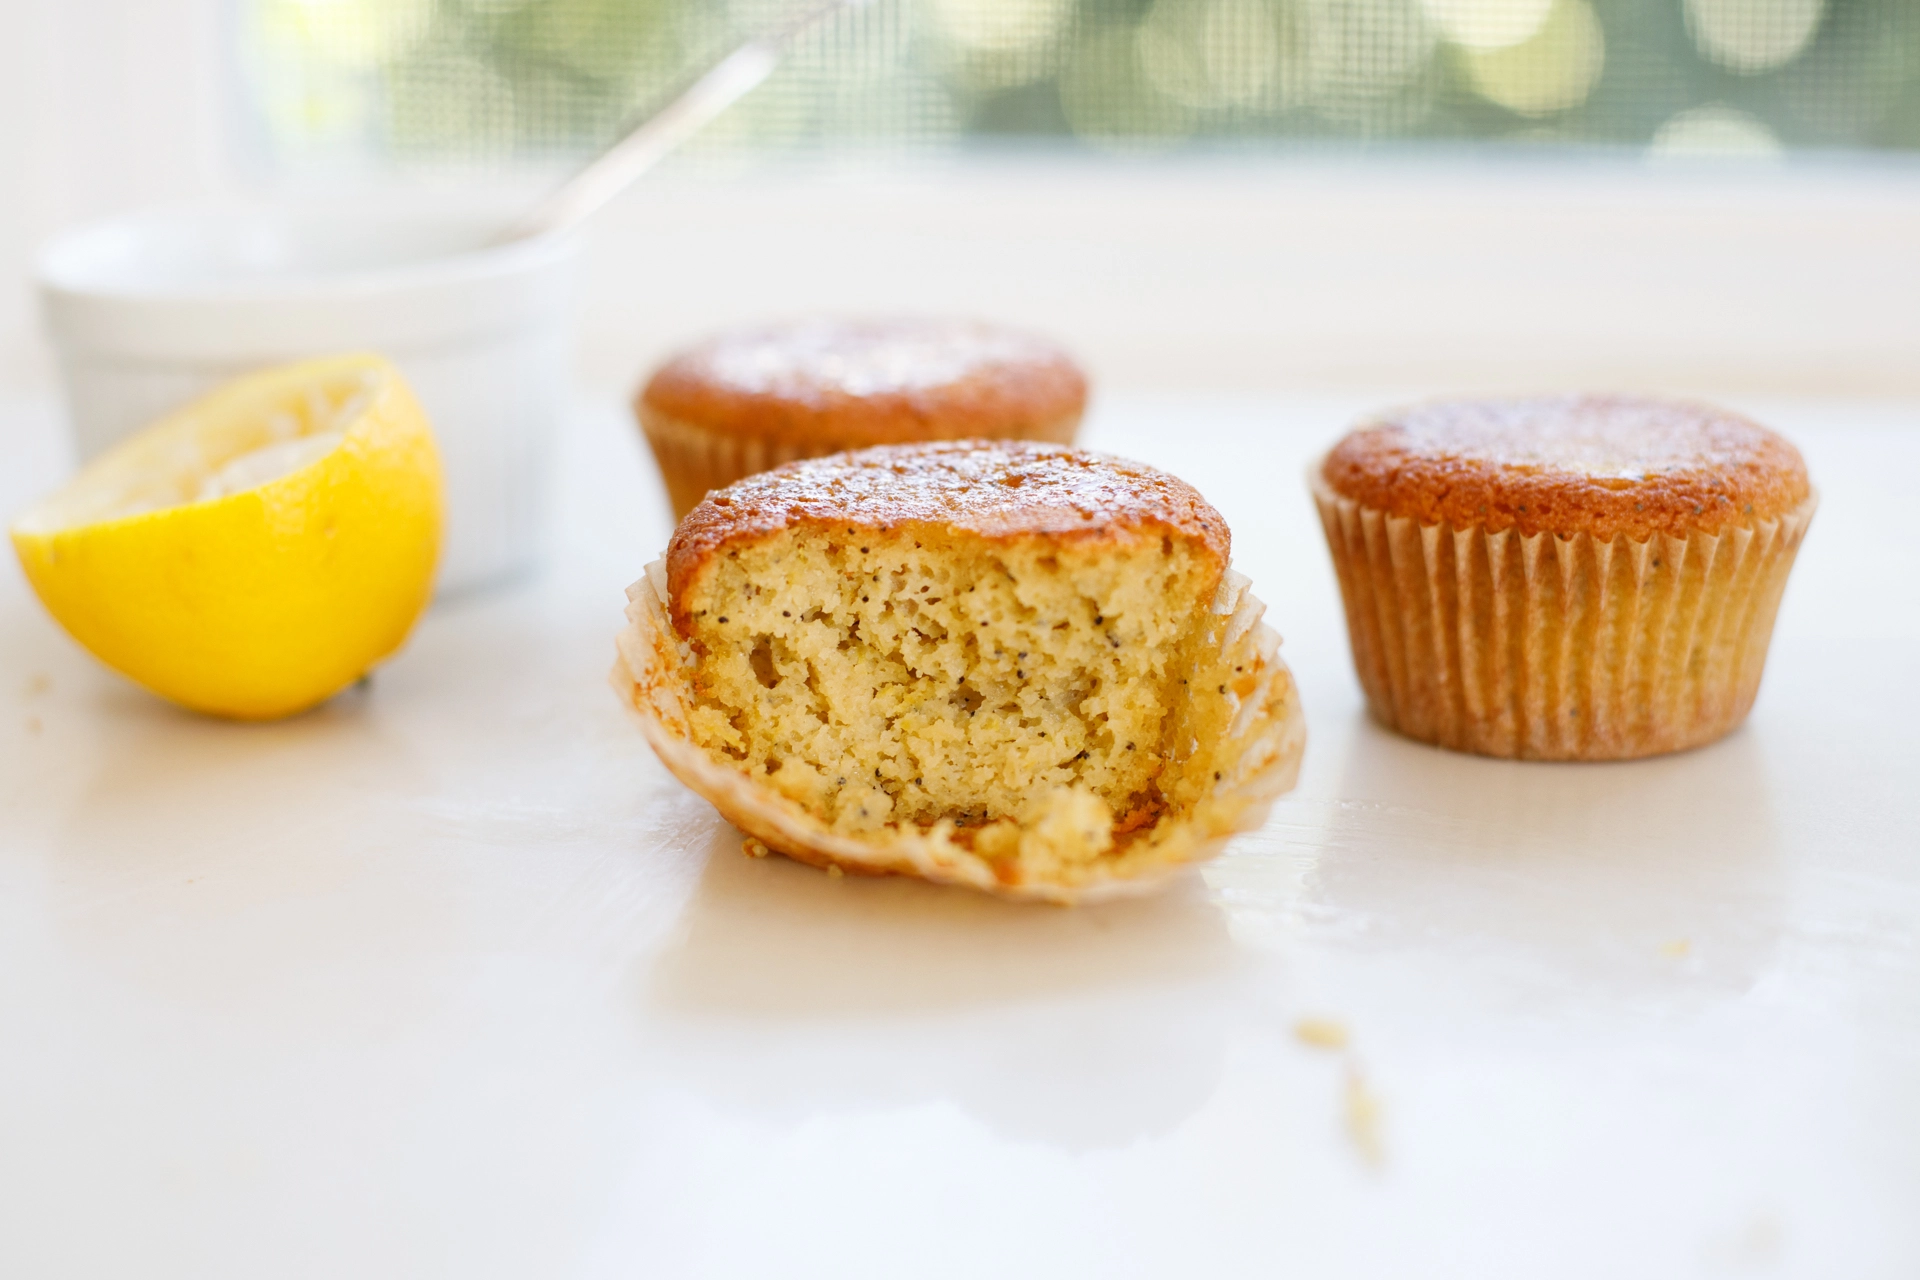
(1363, 1118)
(1321, 1032)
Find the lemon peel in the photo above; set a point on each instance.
(256, 552)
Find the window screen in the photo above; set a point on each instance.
(418, 81)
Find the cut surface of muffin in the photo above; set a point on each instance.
(1006, 664)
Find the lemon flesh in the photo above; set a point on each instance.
(257, 551)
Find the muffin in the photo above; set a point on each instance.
(754, 398)
(1013, 666)
(1565, 578)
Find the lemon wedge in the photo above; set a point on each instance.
(255, 552)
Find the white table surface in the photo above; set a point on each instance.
(450, 978)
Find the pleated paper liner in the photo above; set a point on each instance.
(1241, 734)
(693, 461)
(1557, 648)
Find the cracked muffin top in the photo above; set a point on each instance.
(858, 382)
(997, 489)
(1603, 465)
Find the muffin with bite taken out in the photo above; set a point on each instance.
(1014, 666)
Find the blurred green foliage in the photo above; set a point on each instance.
(480, 79)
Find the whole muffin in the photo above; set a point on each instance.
(1562, 578)
(754, 398)
(1014, 666)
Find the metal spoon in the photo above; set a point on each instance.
(654, 138)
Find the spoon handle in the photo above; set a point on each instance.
(654, 138)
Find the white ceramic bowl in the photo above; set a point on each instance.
(149, 311)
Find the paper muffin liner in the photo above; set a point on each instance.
(1252, 726)
(1557, 648)
(693, 460)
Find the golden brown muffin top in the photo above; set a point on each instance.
(1600, 465)
(868, 382)
(1000, 489)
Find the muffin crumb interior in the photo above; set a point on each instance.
(1023, 697)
